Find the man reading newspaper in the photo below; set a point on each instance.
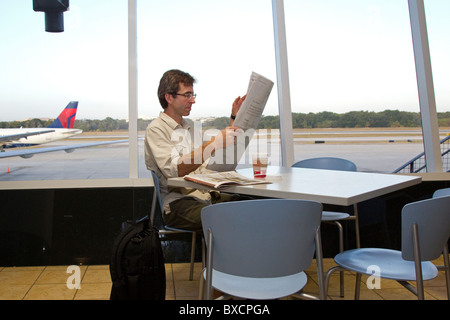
(174, 147)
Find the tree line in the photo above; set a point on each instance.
(352, 119)
(325, 119)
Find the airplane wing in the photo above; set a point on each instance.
(12, 137)
(28, 153)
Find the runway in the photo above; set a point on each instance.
(369, 152)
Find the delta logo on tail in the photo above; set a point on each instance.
(67, 117)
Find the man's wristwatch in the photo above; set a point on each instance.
(233, 117)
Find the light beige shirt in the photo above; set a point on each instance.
(165, 142)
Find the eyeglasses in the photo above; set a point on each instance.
(188, 95)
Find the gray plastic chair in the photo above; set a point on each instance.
(333, 217)
(441, 193)
(157, 209)
(259, 249)
(330, 163)
(425, 231)
(446, 267)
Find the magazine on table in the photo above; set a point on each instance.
(247, 119)
(219, 180)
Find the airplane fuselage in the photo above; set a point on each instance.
(57, 134)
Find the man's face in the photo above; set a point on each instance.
(180, 104)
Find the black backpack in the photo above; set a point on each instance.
(137, 263)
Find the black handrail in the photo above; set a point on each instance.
(411, 162)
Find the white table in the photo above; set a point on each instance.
(326, 186)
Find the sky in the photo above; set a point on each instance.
(346, 55)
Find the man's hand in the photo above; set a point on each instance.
(236, 106)
(192, 161)
(225, 138)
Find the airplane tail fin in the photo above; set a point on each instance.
(66, 119)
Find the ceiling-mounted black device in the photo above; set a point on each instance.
(54, 9)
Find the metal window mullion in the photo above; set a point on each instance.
(430, 127)
(132, 90)
(284, 99)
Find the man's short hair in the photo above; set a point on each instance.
(170, 83)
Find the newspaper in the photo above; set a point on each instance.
(219, 180)
(247, 119)
(258, 92)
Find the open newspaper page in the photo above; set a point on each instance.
(258, 93)
(247, 119)
(222, 179)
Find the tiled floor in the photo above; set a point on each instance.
(50, 283)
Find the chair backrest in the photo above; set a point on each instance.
(329, 163)
(262, 238)
(432, 217)
(156, 211)
(441, 193)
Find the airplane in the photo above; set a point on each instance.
(61, 128)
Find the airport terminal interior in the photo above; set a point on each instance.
(62, 212)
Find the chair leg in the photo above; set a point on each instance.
(417, 262)
(319, 260)
(203, 253)
(341, 249)
(355, 213)
(341, 243)
(191, 271)
(446, 268)
(357, 286)
(327, 277)
(209, 264)
(201, 288)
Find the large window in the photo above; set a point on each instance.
(220, 43)
(438, 28)
(42, 72)
(349, 55)
(344, 56)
